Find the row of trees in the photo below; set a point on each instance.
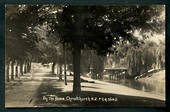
(149, 56)
(20, 39)
(139, 59)
(98, 28)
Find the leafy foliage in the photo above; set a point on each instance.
(100, 27)
(19, 33)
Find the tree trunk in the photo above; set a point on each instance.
(7, 72)
(21, 68)
(12, 70)
(65, 77)
(53, 68)
(60, 74)
(16, 70)
(79, 32)
(57, 69)
(76, 69)
(29, 66)
(25, 68)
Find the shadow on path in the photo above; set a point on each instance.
(50, 94)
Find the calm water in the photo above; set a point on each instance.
(154, 87)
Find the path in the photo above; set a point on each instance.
(22, 92)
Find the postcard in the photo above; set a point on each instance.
(84, 55)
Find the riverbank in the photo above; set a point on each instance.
(158, 76)
(121, 89)
(156, 80)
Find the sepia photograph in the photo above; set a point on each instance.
(85, 55)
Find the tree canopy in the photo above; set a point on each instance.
(100, 27)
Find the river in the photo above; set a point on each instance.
(153, 87)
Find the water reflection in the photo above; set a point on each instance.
(135, 84)
(154, 87)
